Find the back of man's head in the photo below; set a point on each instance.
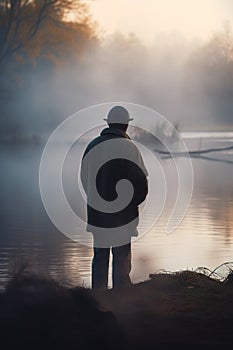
(118, 115)
(118, 126)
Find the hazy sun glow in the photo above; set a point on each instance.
(146, 18)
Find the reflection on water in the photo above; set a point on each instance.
(204, 238)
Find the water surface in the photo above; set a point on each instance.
(28, 237)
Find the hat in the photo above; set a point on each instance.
(119, 115)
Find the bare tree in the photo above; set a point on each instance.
(20, 21)
(220, 47)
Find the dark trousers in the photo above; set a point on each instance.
(121, 266)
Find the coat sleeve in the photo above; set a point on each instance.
(84, 167)
(83, 172)
(139, 175)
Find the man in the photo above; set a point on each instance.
(112, 205)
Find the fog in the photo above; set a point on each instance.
(179, 78)
(122, 69)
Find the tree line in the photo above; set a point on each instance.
(53, 63)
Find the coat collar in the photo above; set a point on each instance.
(114, 132)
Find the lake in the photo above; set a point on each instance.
(30, 240)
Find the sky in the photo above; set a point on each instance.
(189, 18)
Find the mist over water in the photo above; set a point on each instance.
(204, 238)
(176, 77)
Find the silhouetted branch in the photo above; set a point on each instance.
(35, 26)
(190, 153)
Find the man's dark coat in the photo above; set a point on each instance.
(108, 176)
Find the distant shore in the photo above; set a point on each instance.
(42, 138)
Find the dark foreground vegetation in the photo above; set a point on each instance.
(38, 313)
(185, 310)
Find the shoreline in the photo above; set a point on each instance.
(185, 309)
